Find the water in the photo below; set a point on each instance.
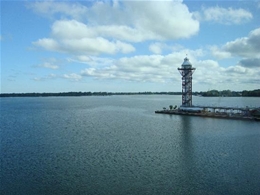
(117, 145)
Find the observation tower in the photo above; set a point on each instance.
(188, 109)
(186, 72)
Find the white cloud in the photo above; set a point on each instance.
(124, 20)
(237, 69)
(72, 76)
(71, 36)
(156, 48)
(111, 28)
(138, 68)
(51, 8)
(43, 78)
(224, 15)
(144, 68)
(246, 47)
(163, 69)
(160, 47)
(238, 75)
(219, 53)
(209, 73)
(162, 18)
(49, 65)
(68, 29)
(92, 60)
(48, 44)
(95, 46)
(72, 29)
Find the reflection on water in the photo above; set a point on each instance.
(117, 145)
(187, 154)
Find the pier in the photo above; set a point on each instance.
(216, 112)
(187, 108)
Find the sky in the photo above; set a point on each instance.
(128, 46)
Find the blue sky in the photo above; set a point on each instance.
(121, 46)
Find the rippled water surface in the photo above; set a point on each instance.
(117, 145)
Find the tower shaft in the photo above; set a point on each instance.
(186, 72)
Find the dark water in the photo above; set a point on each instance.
(117, 145)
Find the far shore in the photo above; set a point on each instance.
(211, 93)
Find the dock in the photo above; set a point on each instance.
(216, 112)
(187, 108)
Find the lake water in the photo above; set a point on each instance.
(118, 145)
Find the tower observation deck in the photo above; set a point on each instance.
(186, 72)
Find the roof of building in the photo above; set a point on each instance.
(186, 62)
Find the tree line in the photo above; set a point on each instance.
(210, 93)
(83, 94)
(229, 93)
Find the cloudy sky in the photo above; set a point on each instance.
(120, 46)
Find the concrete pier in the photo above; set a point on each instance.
(187, 108)
(216, 112)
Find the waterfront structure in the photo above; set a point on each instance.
(186, 72)
(188, 109)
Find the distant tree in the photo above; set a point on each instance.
(171, 106)
(211, 93)
(226, 93)
(254, 93)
